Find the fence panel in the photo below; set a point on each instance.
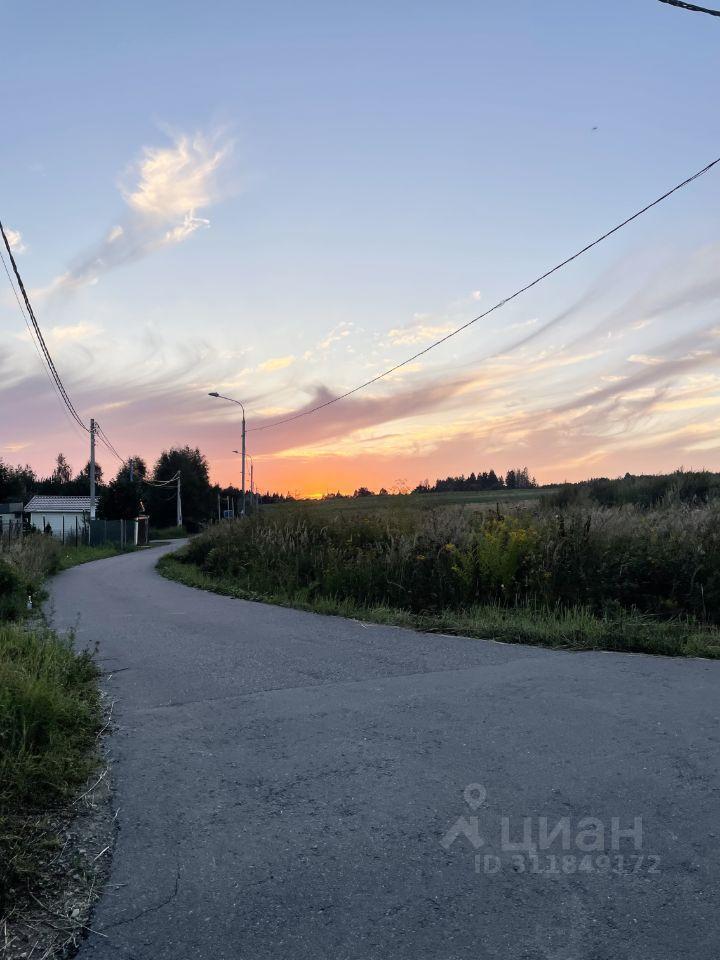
(106, 531)
(11, 528)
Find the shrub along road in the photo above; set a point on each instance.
(286, 783)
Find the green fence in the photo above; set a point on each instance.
(121, 533)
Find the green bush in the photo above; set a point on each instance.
(648, 490)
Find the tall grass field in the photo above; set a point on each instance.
(576, 574)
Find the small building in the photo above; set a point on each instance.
(68, 519)
(65, 517)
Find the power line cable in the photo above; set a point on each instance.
(161, 483)
(103, 437)
(497, 306)
(43, 352)
(691, 6)
(41, 340)
(45, 369)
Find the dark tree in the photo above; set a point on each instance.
(494, 482)
(82, 480)
(139, 468)
(16, 482)
(62, 474)
(123, 498)
(198, 503)
(476, 481)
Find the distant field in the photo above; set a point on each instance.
(410, 501)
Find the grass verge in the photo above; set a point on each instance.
(167, 533)
(49, 717)
(575, 628)
(72, 556)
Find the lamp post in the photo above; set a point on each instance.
(231, 400)
(252, 474)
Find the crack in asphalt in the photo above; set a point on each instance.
(329, 683)
(147, 910)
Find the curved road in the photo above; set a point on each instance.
(294, 786)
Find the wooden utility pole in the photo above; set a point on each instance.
(92, 469)
(179, 519)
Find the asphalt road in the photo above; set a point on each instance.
(286, 782)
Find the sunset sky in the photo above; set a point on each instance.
(279, 201)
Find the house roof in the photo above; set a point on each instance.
(58, 505)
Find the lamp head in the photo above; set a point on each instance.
(214, 394)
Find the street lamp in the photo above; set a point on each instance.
(231, 400)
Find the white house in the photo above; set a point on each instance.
(66, 516)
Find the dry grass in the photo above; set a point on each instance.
(593, 577)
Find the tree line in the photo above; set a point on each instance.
(126, 496)
(517, 478)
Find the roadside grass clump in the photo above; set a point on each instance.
(34, 555)
(24, 563)
(167, 533)
(13, 591)
(72, 556)
(49, 713)
(49, 716)
(575, 628)
(619, 578)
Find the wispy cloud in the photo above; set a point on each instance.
(165, 189)
(171, 182)
(17, 244)
(422, 330)
(75, 331)
(338, 332)
(276, 363)
(644, 359)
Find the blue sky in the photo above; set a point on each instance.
(341, 182)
